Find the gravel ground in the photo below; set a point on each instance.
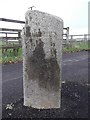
(74, 105)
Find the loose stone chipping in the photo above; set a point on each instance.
(42, 56)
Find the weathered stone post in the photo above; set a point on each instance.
(42, 56)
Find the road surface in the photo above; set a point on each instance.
(74, 68)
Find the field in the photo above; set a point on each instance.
(14, 55)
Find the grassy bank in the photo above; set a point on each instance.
(11, 56)
(78, 46)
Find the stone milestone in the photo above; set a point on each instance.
(42, 56)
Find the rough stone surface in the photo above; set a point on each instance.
(42, 56)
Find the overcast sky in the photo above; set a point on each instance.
(73, 12)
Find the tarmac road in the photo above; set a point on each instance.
(74, 68)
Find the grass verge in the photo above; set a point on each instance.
(11, 56)
(77, 46)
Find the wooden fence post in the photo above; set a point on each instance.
(6, 39)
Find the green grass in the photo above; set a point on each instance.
(78, 46)
(11, 57)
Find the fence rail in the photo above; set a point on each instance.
(11, 20)
(10, 38)
(7, 29)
